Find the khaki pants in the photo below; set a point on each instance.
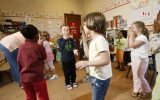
(156, 90)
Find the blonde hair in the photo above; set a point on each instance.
(140, 24)
(46, 35)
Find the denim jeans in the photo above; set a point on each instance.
(12, 60)
(99, 88)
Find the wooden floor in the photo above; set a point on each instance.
(120, 88)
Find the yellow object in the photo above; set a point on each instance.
(156, 90)
(119, 55)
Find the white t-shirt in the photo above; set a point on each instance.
(96, 46)
(142, 51)
(13, 41)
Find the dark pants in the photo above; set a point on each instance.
(99, 88)
(127, 57)
(81, 53)
(36, 88)
(69, 70)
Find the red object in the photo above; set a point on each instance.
(111, 24)
(73, 29)
(30, 59)
(36, 88)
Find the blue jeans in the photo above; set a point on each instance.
(12, 60)
(99, 88)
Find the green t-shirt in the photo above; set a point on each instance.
(121, 43)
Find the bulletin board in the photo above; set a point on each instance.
(51, 25)
(50, 22)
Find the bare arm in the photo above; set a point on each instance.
(102, 59)
(133, 43)
(155, 46)
(85, 45)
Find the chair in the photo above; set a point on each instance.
(129, 66)
(5, 68)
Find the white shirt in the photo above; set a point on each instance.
(155, 48)
(13, 41)
(141, 51)
(96, 46)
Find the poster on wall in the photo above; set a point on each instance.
(143, 13)
(73, 28)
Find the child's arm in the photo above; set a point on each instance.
(132, 43)
(61, 44)
(85, 45)
(18, 60)
(43, 52)
(155, 46)
(102, 59)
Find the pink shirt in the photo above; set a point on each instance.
(48, 50)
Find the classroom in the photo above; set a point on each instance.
(79, 50)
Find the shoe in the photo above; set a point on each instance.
(20, 85)
(117, 67)
(54, 77)
(144, 95)
(85, 79)
(121, 69)
(135, 94)
(69, 87)
(46, 77)
(75, 85)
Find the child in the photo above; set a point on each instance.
(137, 39)
(98, 52)
(31, 58)
(83, 57)
(67, 46)
(156, 49)
(121, 41)
(50, 57)
(127, 51)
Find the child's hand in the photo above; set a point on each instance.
(82, 64)
(75, 52)
(84, 38)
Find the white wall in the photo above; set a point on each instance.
(128, 13)
(57, 8)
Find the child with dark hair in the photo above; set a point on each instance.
(121, 41)
(99, 63)
(31, 56)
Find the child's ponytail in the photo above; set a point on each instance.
(145, 32)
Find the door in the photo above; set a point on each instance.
(74, 22)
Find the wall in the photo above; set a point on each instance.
(32, 10)
(128, 13)
(55, 6)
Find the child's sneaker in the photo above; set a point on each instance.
(75, 85)
(85, 79)
(135, 94)
(46, 77)
(69, 87)
(55, 76)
